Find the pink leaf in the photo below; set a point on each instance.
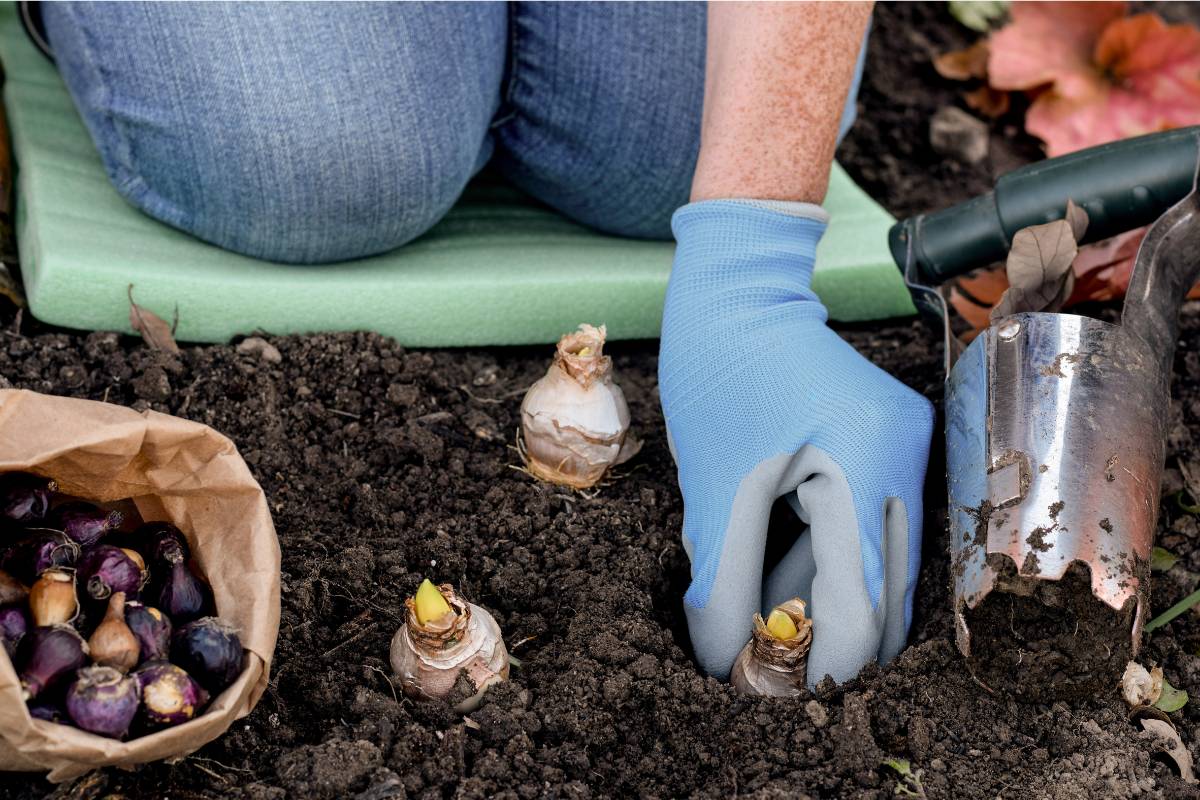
(1099, 76)
(1050, 43)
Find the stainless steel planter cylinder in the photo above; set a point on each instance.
(1055, 432)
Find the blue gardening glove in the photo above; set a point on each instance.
(763, 401)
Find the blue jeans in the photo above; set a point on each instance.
(316, 132)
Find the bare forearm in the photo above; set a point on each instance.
(776, 81)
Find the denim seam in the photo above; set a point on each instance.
(127, 181)
(514, 41)
(517, 81)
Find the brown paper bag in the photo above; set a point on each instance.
(173, 470)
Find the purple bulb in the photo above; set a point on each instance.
(14, 624)
(103, 701)
(182, 594)
(210, 651)
(106, 569)
(48, 656)
(49, 711)
(83, 522)
(39, 551)
(25, 498)
(152, 629)
(169, 695)
(155, 540)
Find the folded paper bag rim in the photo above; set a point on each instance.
(176, 470)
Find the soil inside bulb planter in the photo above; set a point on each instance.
(1048, 640)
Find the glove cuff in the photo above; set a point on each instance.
(789, 208)
(750, 242)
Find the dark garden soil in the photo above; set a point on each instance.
(383, 465)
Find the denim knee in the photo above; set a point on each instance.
(311, 134)
(606, 101)
(605, 110)
(274, 203)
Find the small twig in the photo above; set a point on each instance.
(986, 688)
(222, 766)
(391, 685)
(187, 397)
(490, 400)
(353, 638)
(343, 413)
(358, 600)
(210, 773)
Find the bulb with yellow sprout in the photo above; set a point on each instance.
(775, 660)
(574, 420)
(443, 637)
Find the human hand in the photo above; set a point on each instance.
(762, 400)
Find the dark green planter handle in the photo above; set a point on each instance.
(1122, 186)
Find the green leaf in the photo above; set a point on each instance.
(1162, 559)
(1173, 612)
(978, 15)
(909, 784)
(1171, 699)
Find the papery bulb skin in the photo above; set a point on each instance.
(25, 498)
(210, 651)
(1141, 686)
(428, 658)
(14, 624)
(12, 590)
(775, 661)
(106, 569)
(113, 644)
(40, 550)
(152, 629)
(103, 701)
(169, 695)
(84, 523)
(181, 594)
(52, 598)
(48, 656)
(574, 420)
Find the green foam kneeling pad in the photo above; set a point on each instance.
(498, 269)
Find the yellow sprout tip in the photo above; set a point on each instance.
(780, 625)
(430, 605)
(585, 352)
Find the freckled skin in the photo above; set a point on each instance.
(776, 81)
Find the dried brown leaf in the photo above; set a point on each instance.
(992, 103)
(1172, 745)
(1039, 265)
(963, 65)
(9, 288)
(157, 334)
(1078, 219)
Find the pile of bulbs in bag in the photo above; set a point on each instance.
(109, 630)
